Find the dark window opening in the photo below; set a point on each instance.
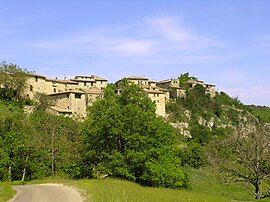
(36, 78)
(31, 88)
(54, 90)
(78, 96)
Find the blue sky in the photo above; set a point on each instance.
(222, 42)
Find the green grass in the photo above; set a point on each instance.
(206, 182)
(115, 190)
(204, 186)
(6, 191)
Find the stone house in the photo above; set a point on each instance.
(154, 92)
(172, 85)
(93, 94)
(71, 97)
(72, 102)
(85, 82)
(209, 88)
(66, 93)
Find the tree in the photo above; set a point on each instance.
(12, 81)
(43, 101)
(124, 138)
(244, 156)
(58, 142)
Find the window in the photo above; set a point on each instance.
(85, 83)
(78, 96)
(36, 78)
(67, 95)
(31, 88)
(54, 90)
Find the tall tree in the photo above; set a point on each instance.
(12, 81)
(125, 138)
(59, 139)
(245, 156)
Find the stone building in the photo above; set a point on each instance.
(65, 93)
(154, 92)
(209, 88)
(172, 85)
(86, 82)
(71, 97)
(72, 102)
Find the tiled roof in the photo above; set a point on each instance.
(93, 90)
(97, 78)
(35, 75)
(62, 81)
(67, 92)
(136, 78)
(165, 81)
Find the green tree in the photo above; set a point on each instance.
(12, 81)
(125, 138)
(59, 143)
(43, 101)
(244, 156)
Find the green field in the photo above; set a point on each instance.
(6, 191)
(204, 186)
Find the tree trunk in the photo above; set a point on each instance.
(24, 169)
(52, 153)
(257, 189)
(9, 173)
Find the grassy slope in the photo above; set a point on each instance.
(6, 191)
(205, 182)
(204, 187)
(110, 189)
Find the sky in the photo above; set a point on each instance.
(226, 43)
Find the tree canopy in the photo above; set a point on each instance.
(125, 138)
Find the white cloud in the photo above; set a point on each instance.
(173, 31)
(134, 47)
(100, 43)
(166, 36)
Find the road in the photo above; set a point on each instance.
(46, 193)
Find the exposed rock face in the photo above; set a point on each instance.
(245, 119)
(183, 128)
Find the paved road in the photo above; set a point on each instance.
(46, 193)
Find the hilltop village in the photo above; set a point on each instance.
(72, 97)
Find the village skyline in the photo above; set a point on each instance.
(226, 43)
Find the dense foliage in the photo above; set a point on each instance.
(36, 145)
(197, 109)
(124, 138)
(13, 81)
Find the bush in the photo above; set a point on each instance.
(193, 155)
(166, 173)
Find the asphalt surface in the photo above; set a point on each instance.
(46, 193)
